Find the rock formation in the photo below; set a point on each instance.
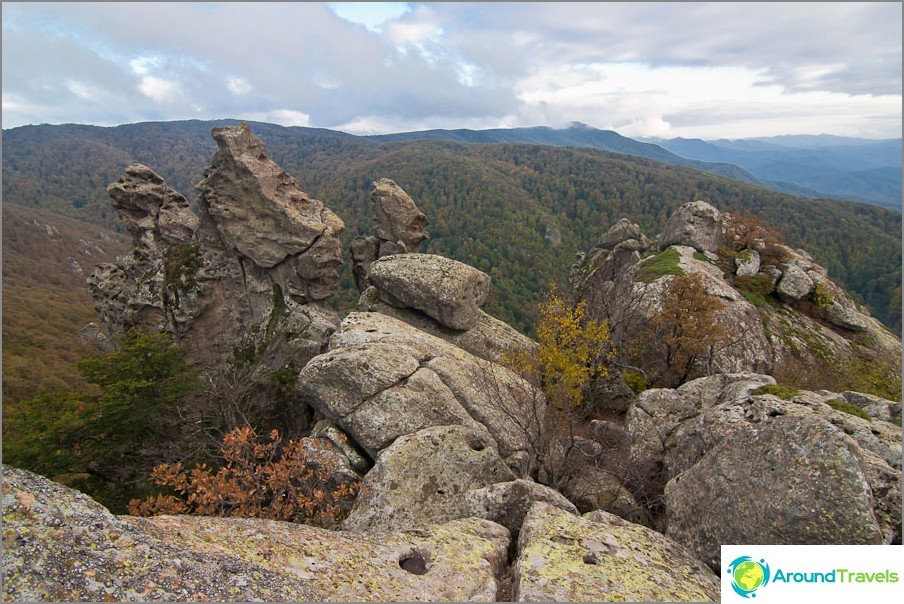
(776, 315)
(838, 475)
(239, 285)
(399, 227)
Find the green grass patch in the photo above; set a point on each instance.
(839, 404)
(664, 263)
(777, 390)
(635, 380)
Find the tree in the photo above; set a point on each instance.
(682, 333)
(109, 437)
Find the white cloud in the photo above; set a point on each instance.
(238, 86)
(372, 15)
(160, 90)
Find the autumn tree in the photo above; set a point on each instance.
(683, 333)
(260, 478)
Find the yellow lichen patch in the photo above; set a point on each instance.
(566, 557)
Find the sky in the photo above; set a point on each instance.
(645, 70)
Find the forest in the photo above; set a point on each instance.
(490, 205)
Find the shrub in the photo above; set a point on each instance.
(261, 478)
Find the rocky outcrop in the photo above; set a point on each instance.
(399, 227)
(696, 224)
(59, 545)
(447, 290)
(600, 557)
(781, 311)
(839, 475)
(490, 339)
(382, 379)
(239, 285)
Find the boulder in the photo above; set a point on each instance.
(747, 263)
(508, 502)
(875, 406)
(601, 558)
(696, 224)
(812, 468)
(382, 378)
(59, 545)
(491, 339)
(422, 479)
(396, 217)
(447, 290)
(794, 284)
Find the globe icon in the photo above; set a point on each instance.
(748, 575)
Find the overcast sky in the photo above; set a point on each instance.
(697, 70)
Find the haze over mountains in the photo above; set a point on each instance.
(810, 166)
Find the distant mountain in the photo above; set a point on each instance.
(821, 166)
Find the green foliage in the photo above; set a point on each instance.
(635, 380)
(820, 297)
(663, 263)
(111, 432)
(777, 390)
(839, 404)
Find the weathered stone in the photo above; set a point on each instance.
(621, 231)
(422, 479)
(794, 284)
(600, 557)
(695, 224)
(825, 498)
(879, 408)
(445, 289)
(507, 502)
(597, 489)
(491, 339)
(364, 250)
(328, 430)
(747, 263)
(396, 217)
(383, 378)
(59, 545)
(553, 236)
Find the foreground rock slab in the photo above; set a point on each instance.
(601, 558)
(60, 545)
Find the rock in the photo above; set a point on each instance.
(328, 430)
(399, 228)
(695, 224)
(873, 405)
(794, 284)
(553, 236)
(597, 489)
(91, 335)
(506, 503)
(59, 545)
(747, 263)
(445, 289)
(621, 231)
(422, 479)
(491, 339)
(236, 286)
(825, 497)
(383, 378)
(396, 217)
(602, 558)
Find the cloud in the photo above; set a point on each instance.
(647, 68)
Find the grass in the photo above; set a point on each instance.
(839, 404)
(777, 390)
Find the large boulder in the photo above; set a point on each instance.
(382, 379)
(59, 545)
(601, 558)
(793, 480)
(695, 224)
(490, 339)
(422, 479)
(835, 476)
(447, 290)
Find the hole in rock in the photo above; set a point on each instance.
(476, 444)
(414, 563)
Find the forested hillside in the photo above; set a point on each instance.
(490, 205)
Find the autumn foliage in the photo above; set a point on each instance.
(260, 478)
